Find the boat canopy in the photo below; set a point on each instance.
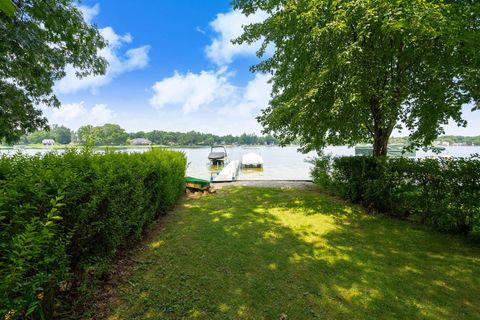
(217, 153)
(252, 159)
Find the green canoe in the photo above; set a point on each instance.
(196, 183)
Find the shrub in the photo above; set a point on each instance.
(65, 214)
(441, 193)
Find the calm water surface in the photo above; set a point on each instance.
(280, 163)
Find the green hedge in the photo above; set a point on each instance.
(67, 214)
(441, 193)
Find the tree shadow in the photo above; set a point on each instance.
(262, 253)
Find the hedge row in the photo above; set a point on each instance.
(67, 214)
(441, 193)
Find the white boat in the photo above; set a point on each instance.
(218, 155)
(252, 160)
(228, 173)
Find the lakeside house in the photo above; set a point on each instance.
(48, 142)
(140, 142)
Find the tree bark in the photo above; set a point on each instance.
(380, 133)
(380, 143)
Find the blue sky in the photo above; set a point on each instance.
(172, 67)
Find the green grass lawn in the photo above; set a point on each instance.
(259, 253)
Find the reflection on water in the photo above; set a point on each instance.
(280, 163)
(251, 173)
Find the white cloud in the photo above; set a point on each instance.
(74, 115)
(69, 112)
(191, 91)
(100, 114)
(89, 12)
(212, 91)
(137, 58)
(229, 26)
(118, 62)
(114, 40)
(251, 99)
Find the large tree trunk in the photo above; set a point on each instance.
(380, 133)
(380, 143)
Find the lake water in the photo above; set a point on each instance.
(280, 163)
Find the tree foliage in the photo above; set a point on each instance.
(347, 71)
(108, 134)
(36, 43)
(60, 134)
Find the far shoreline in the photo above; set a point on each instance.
(155, 146)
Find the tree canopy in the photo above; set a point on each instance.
(60, 134)
(108, 134)
(350, 71)
(36, 43)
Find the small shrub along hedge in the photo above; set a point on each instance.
(441, 193)
(67, 214)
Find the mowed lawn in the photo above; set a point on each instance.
(262, 253)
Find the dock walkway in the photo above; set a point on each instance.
(228, 173)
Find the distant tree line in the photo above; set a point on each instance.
(114, 135)
(198, 138)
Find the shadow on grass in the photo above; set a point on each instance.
(253, 253)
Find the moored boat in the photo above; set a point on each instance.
(252, 160)
(218, 155)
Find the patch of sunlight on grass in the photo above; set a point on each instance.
(227, 215)
(295, 258)
(302, 223)
(223, 307)
(156, 244)
(348, 210)
(442, 284)
(195, 313)
(409, 269)
(436, 256)
(429, 311)
(242, 311)
(270, 235)
(347, 293)
(355, 291)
